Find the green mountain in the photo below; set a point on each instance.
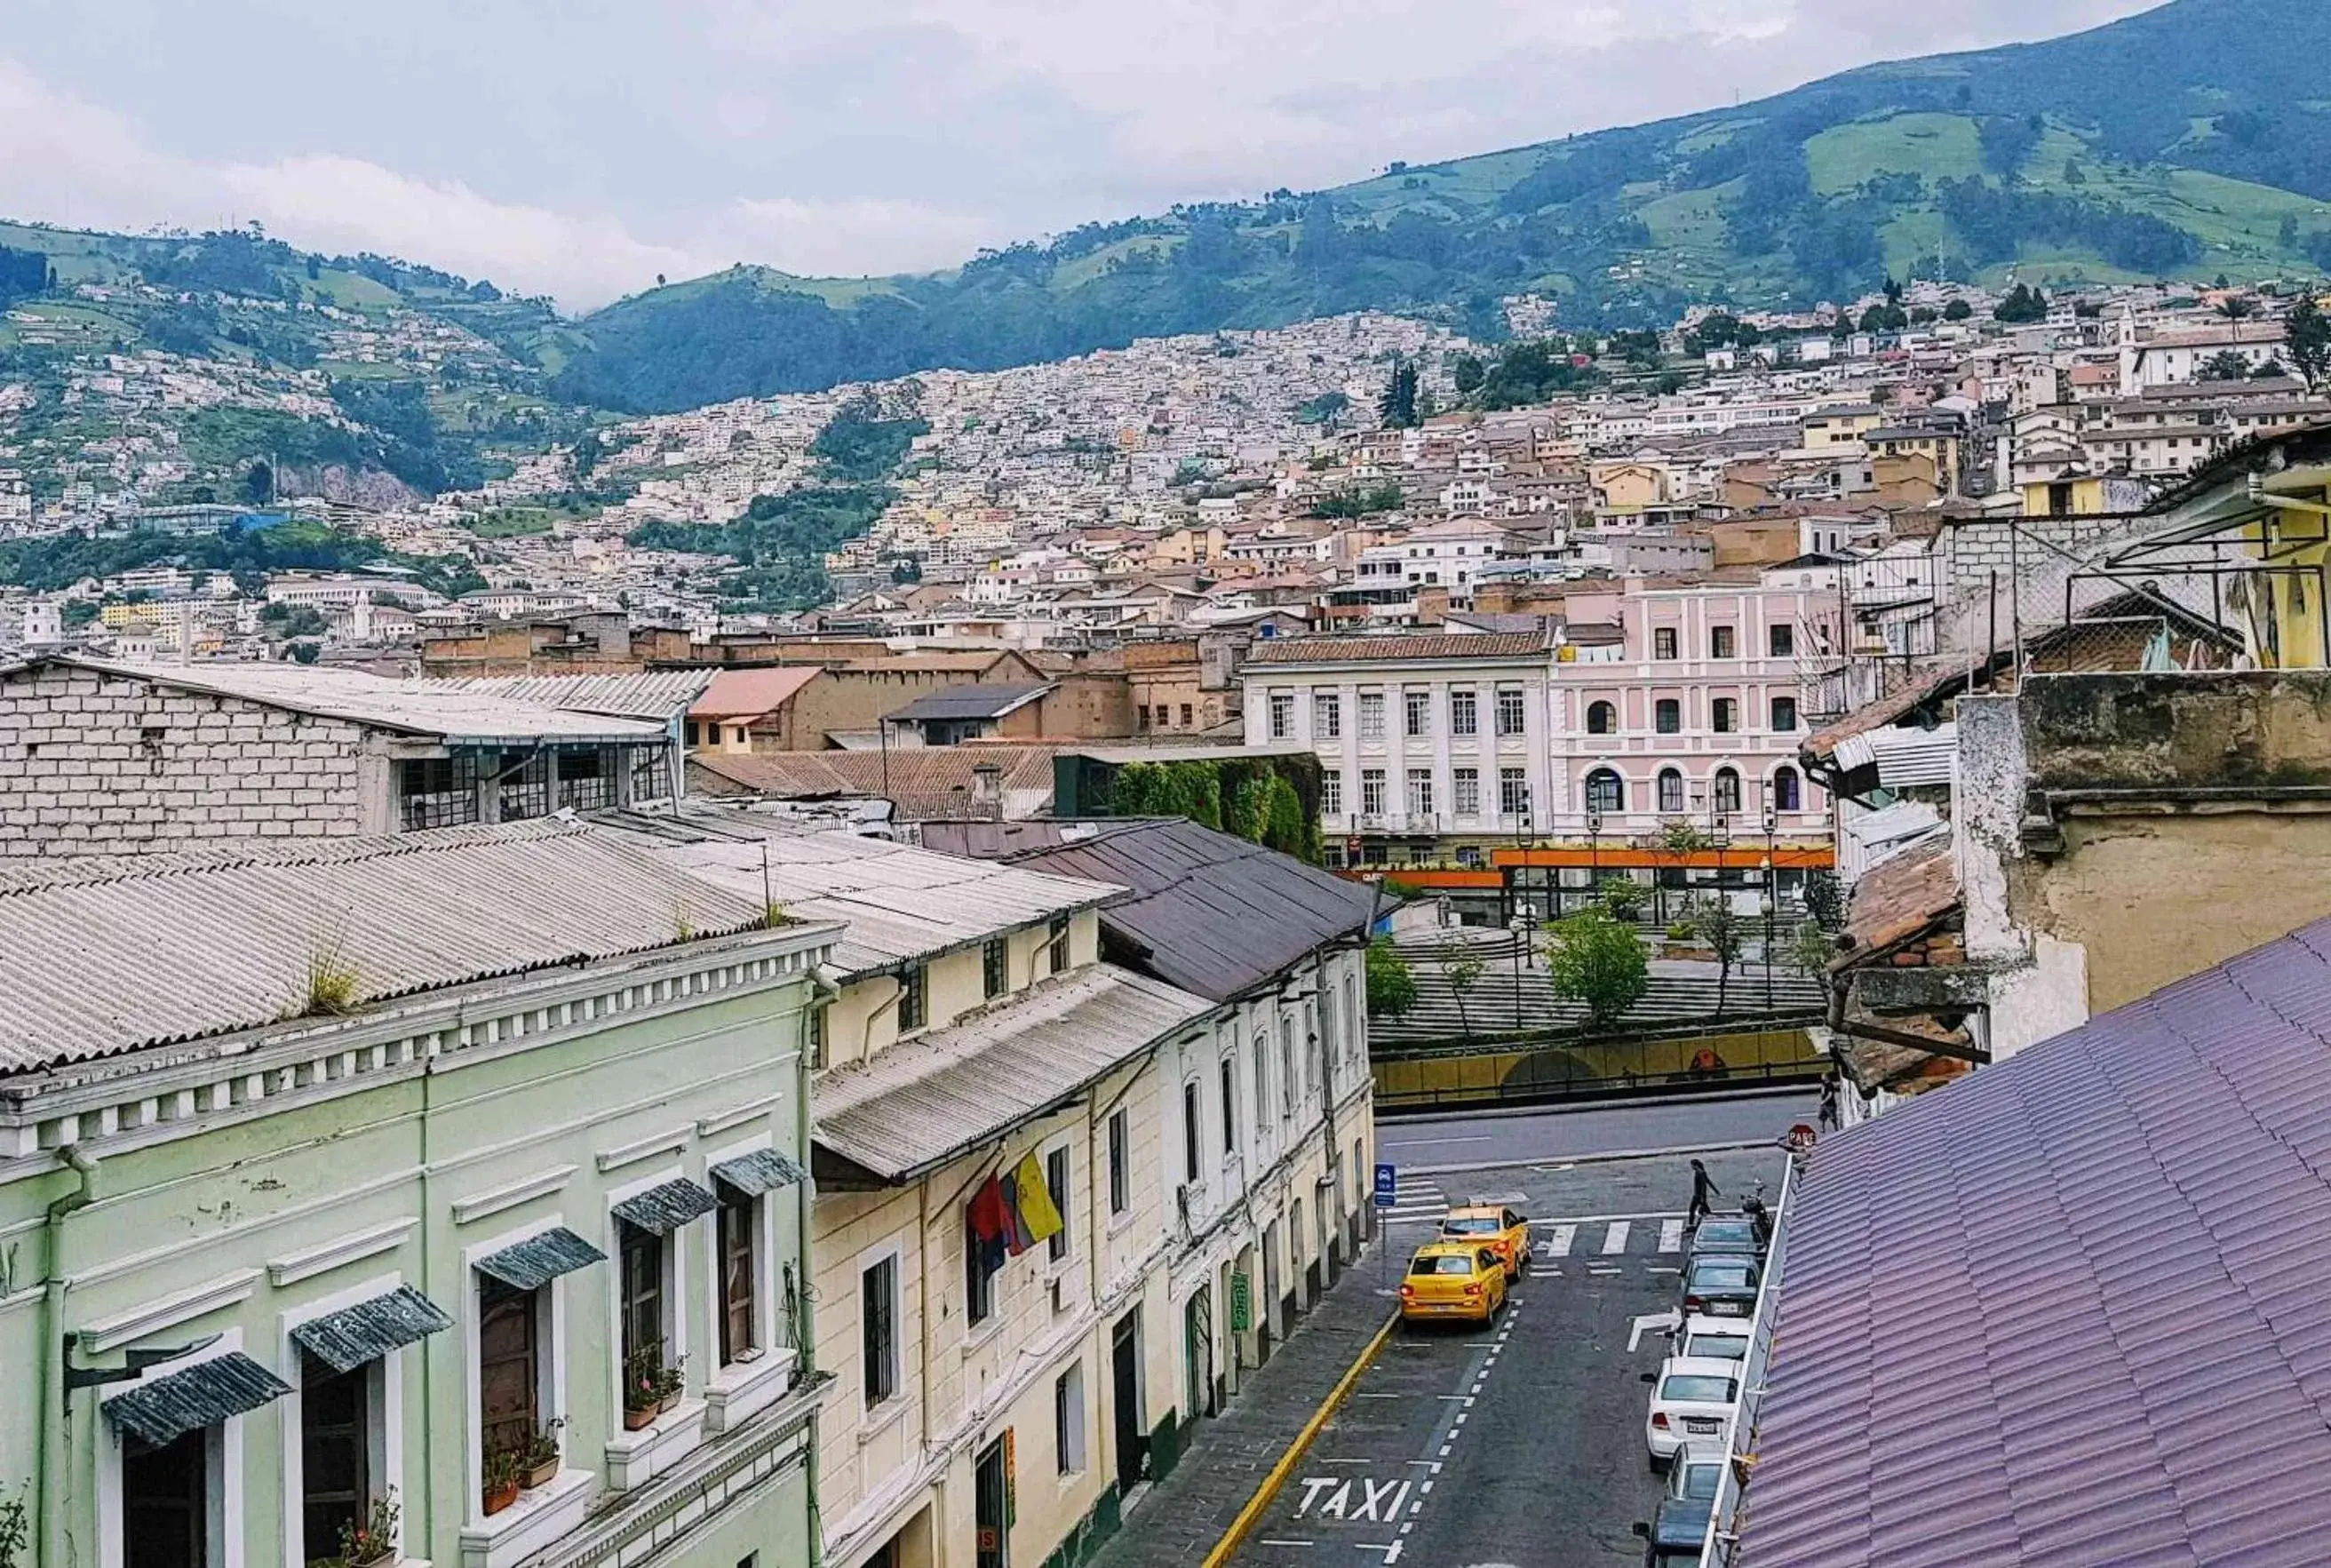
(2187, 141)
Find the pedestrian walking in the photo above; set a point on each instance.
(1829, 1104)
(1702, 1189)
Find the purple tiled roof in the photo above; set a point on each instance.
(2073, 1309)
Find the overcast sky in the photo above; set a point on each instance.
(579, 148)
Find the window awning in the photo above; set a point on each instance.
(539, 1259)
(762, 1171)
(661, 1209)
(162, 1411)
(347, 1339)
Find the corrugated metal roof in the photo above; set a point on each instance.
(347, 1339)
(923, 781)
(665, 1208)
(423, 708)
(660, 695)
(1904, 757)
(928, 1098)
(105, 955)
(161, 1413)
(539, 1259)
(1209, 912)
(2070, 1309)
(750, 693)
(762, 1171)
(967, 702)
(902, 903)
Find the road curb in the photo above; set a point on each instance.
(1605, 1157)
(1395, 1115)
(1268, 1491)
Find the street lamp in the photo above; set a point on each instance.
(1593, 852)
(1772, 887)
(1520, 926)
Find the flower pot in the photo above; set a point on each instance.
(500, 1498)
(668, 1401)
(541, 1475)
(633, 1420)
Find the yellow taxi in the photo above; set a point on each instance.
(1493, 1226)
(1452, 1280)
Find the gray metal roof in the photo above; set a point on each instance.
(969, 702)
(659, 695)
(2070, 1310)
(902, 903)
(347, 1339)
(1209, 912)
(762, 1171)
(926, 1099)
(420, 708)
(162, 1411)
(536, 1261)
(105, 955)
(665, 1208)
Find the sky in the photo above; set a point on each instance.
(580, 148)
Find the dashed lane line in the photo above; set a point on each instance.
(1615, 1240)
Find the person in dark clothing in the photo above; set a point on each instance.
(1702, 1189)
(1829, 1104)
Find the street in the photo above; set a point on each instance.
(1521, 1442)
(1560, 1133)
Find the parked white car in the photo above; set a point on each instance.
(1712, 1338)
(1692, 1400)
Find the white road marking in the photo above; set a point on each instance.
(1383, 1396)
(1615, 1240)
(1445, 1447)
(1558, 1240)
(1655, 1269)
(1670, 1235)
(1430, 1143)
(1660, 1322)
(1366, 1461)
(1280, 1543)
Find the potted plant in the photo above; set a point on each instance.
(373, 1537)
(643, 1387)
(669, 1383)
(501, 1479)
(541, 1458)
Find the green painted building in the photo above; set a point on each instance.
(453, 1183)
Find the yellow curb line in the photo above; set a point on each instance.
(1268, 1490)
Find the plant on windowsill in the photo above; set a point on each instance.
(669, 1383)
(501, 1479)
(372, 1538)
(642, 1386)
(541, 1458)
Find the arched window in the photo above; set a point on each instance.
(1602, 718)
(1728, 791)
(1787, 794)
(1670, 791)
(1605, 793)
(1667, 716)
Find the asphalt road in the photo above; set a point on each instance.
(1520, 1444)
(1574, 1132)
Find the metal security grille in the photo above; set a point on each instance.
(437, 792)
(523, 791)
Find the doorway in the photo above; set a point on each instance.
(989, 1490)
(1268, 1307)
(1124, 1366)
(1198, 1341)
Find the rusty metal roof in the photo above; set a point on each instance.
(660, 695)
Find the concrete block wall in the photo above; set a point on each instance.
(1975, 548)
(93, 763)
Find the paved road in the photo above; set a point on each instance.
(1572, 1132)
(1522, 1443)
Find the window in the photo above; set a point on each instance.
(1261, 1085)
(1664, 643)
(1602, 718)
(1513, 792)
(1724, 714)
(1230, 1107)
(1372, 791)
(1788, 794)
(1416, 713)
(1604, 791)
(878, 1323)
(640, 1303)
(978, 1280)
(1667, 716)
(586, 778)
(1785, 715)
(1727, 790)
(1326, 715)
(166, 1504)
(1670, 791)
(1464, 713)
(1286, 1071)
(335, 1453)
(1120, 1161)
(736, 1234)
(1282, 715)
(1191, 1167)
(1068, 1419)
(1056, 1183)
(1331, 793)
(995, 967)
(509, 1365)
(1509, 710)
(1371, 715)
(523, 792)
(440, 792)
(1056, 946)
(1781, 640)
(913, 999)
(1185, 716)
(1420, 791)
(1720, 643)
(1467, 786)
(816, 1029)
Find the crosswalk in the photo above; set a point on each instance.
(1421, 1205)
(1416, 1201)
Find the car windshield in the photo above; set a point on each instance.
(1696, 1389)
(1720, 1272)
(1724, 1346)
(1724, 1233)
(1677, 1557)
(1699, 1481)
(1471, 1225)
(1442, 1263)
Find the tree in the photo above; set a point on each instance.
(2269, 370)
(1824, 899)
(1811, 949)
(1398, 407)
(259, 484)
(1622, 900)
(1957, 310)
(1599, 963)
(1461, 967)
(2237, 307)
(1392, 989)
(1680, 839)
(2226, 365)
(1718, 924)
(305, 653)
(2309, 332)
(2022, 305)
(1467, 371)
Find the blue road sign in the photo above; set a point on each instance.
(1387, 1185)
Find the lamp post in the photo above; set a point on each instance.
(1520, 928)
(1593, 852)
(1772, 887)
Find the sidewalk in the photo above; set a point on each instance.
(1181, 1518)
